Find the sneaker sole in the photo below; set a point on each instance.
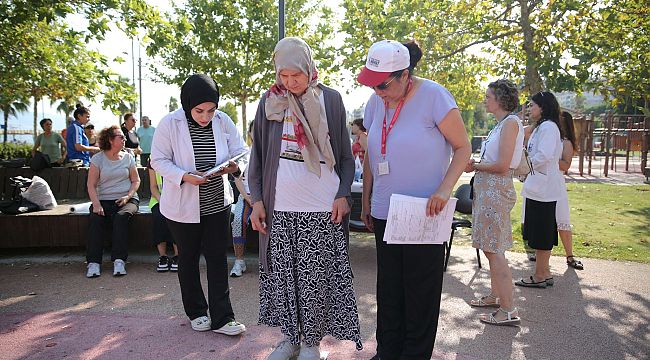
(162, 269)
(119, 274)
(201, 329)
(92, 276)
(230, 332)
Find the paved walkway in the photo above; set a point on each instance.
(49, 310)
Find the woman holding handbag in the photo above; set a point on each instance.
(494, 198)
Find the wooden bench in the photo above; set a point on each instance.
(61, 228)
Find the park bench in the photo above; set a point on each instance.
(60, 227)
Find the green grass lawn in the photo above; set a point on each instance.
(609, 221)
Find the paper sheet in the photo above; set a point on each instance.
(408, 223)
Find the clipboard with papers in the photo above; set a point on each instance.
(408, 223)
(224, 164)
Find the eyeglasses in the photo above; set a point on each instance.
(384, 86)
(119, 136)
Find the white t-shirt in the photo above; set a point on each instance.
(296, 188)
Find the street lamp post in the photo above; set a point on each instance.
(281, 20)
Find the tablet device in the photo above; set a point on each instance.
(223, 165)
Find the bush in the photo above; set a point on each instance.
(10, 151)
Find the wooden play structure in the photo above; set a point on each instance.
(616, 134)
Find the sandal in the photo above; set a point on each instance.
(572, 262)
(532, 283)
(483, 301)
(512, 318)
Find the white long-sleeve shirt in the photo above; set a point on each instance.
(172, 155)
(546, 183)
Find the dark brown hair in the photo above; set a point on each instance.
(566, 128)
(106, 135)
(359, 122)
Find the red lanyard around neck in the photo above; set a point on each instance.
(398, 109)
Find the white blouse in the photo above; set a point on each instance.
(546, 182)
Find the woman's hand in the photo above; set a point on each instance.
(437, 202)
(194, 179)
(258, 218)
(470, 166)
(231, 168)
(98, 209)
(366, 217)
(340, 208)
(123, 200)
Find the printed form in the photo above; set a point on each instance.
(408, 223)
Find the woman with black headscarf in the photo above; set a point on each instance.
(187, 143)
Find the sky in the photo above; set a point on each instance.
(155, 96)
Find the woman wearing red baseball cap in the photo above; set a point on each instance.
(410, 120)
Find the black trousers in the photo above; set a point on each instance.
(119, 218)
(211, 236)
(144, 159)
(409, 286)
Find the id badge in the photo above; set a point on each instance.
(383, 168)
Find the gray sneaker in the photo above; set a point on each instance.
(284, 350)
(119, 268)
(93, 270)
(309, 353)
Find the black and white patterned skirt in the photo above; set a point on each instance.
(308, 290)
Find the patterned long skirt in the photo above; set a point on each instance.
(494, 198)
(308, 291)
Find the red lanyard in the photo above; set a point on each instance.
(398, 109)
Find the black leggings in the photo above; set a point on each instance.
(211, 237)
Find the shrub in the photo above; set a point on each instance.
(10, 151)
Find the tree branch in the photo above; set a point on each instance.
(462, 48)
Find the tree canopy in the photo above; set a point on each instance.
(233, 42)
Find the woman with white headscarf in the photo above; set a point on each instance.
(300, 174)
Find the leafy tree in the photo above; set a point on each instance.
(43, 57)
(230, 109)
(541, 44)
(233, 42)
(118, 96)
(173, 104)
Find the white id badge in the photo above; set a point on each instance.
(383, 168)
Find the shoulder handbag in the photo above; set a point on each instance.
(525, 167)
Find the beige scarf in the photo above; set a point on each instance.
(294, 54)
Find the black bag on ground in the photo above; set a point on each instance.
(40, 161)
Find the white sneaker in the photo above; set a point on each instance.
(284, 350)
(119, 268)
(232, 328)
(238, 269)
(93, 270)
(310, 353)
(201, 323)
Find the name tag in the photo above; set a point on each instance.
(383, 168)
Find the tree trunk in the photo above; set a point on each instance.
(243, 115)
(533, 82)
(35, 119)
(6, 115)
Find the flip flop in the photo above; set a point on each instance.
(532, 283)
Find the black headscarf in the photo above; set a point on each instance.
(196, 90)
